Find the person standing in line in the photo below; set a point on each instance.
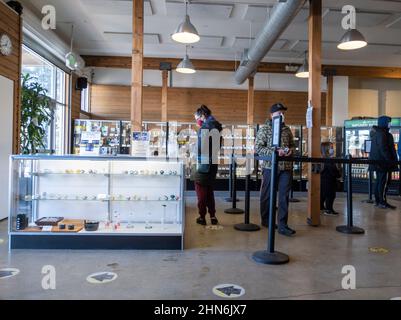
(328, 181)
(263, 147)
(383, 150)
(204, 174)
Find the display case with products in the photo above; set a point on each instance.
(356, 133)
(101, 137)
(79, 202)
(158, 135)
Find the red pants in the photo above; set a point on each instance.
(205, 200)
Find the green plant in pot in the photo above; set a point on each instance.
(36, 115)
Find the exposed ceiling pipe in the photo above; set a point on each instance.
(282, 15)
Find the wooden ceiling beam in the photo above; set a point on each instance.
(227, 65)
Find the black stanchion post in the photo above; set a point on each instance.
(370, 184)
(349, 228)
(234, 209)
(247, 226)
(230, 182)
(271, 256)
(292, 199)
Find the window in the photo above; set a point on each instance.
(54, 80)
(85, 103)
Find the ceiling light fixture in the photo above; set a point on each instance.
(186, 31)
(303, 71)
(352, 40)
(186, 66)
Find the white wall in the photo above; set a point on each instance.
(340, 100)
(205, 79)
(6, 140)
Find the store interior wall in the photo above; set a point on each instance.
(229, 106)
(376, 97)
(340, 100)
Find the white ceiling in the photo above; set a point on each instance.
(103, 27)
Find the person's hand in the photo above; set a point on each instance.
(289, 154)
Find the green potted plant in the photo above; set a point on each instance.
(36, 115)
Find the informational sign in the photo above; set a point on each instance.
(90, 143)
(309, 115)
(140, 144)
(101, 277)
(368, 123)
(276, 123)
(230, 291)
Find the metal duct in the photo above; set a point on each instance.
(282, 15)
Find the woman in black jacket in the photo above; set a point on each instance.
(204, 175)
(328, 182)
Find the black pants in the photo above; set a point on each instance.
(284, 187)
(327, 193)
(383, 179)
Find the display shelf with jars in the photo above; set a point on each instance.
(78, 202)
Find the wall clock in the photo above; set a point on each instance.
(6, 45)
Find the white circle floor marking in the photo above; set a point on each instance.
(396, 298)
(230, 291)
(8, 273)
(1, 241)
(101, 277)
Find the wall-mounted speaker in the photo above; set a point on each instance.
(81, 84)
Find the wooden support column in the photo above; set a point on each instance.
(164, 96)
(251, 101)
(329, 101)
(315, 68)
(137, 65)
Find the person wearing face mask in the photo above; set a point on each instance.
(263, 147)
(383, 150)
(328, 181)
(204, 172)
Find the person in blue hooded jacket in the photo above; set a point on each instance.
(383, 150)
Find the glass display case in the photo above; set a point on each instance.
(78, 202)
(101, 137)
(158, 134)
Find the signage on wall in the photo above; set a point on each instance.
(368, 123)
(140, 143)
(309, 115)
(90, 143)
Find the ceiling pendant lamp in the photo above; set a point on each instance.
(185, 66)
(186, 31)
(352, 40)
(303, 71)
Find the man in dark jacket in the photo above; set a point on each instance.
(383, 150)
(204, 175)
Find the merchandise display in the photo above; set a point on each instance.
(101, 137)
(356, 133)
(136, 199)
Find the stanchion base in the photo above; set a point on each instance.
(295, 200)
(350, 230)
(368, 201)
(248, 227)
(234, 211)
(266, 257)
(230, 200)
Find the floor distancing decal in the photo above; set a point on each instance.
(101, 277)
(379, 250)
(8, 273)
(228, 291)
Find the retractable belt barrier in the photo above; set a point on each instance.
(270, 256)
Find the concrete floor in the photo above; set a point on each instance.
(215, 257)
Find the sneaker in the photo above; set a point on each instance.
(331, 213)
(214, 221)
(286, 231)
(201, 221)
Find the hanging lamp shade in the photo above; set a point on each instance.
(352, 40)
(303, 71)
(185, 66)
(186, 32)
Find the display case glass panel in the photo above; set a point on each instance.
(96, 196)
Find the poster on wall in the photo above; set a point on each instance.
(90, 143)
(140, 144)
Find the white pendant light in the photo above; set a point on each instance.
(303, 71)
(186, 31)
(352, 40)
(186, 66)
